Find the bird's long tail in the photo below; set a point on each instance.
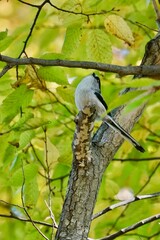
(115, 126)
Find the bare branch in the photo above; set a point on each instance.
(149, 130)
(20, 218)
(51, 214)
(5, 70)
(143, 236)
(33, 24)
(36, 156)
(123, 203)
(132, 227)
(46, 159)
(59, 178)
(152, 140)
(136, 159)
(29, 4)
(146, 70)
(149, 178)
(27, 220)
(81, 12)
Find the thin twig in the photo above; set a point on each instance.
(34, 151)
(47, 161)
(131, 227)
(33, 24)
(60, 102)
(52, 215)
(10, 204)
(152, 140)
(70, 11)
(29, 4)
(82, 13)
(5, 70)
(145, 26)
(26, 220)
(149, 178)
(136, 159)
(149, 130)
(143, 236)
(123, 203)
(59, 178)
(25, 209)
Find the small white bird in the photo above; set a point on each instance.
(88, 93)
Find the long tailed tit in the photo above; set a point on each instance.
(88, 93)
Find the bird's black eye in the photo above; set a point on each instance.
(98, 79)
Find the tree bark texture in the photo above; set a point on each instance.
(91, 156)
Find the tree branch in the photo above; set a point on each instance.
(149, 178)
(123, 203)
(136, 159)
(147, 70)
(83, 183)
(81, 12)
(132, 227)
(90, 159)
(27, 220)
(69, 11)
(33, 24)
(5, 70)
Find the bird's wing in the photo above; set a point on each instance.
(99, 96)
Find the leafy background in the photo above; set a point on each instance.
(37, 113)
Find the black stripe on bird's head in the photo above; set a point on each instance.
(98, 80)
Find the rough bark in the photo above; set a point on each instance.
(90, 159)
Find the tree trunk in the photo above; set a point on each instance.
(90, 159)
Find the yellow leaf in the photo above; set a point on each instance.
(31, 79)
(117, 26)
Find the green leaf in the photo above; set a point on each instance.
(31, 193)
(9, 154)
(25, 138)
(69, 18)
(61, 170)
(66, 93)
(52, 56)
(142, 82)
(98, 46)
(154, 100)
(137, 102)
(3, 34)
(30, 171)
(124, 99)
(20, 124)
(65, 158)
(5, 43)
(15, 102)
(52, 74)
(34, 123)
(72, 40)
